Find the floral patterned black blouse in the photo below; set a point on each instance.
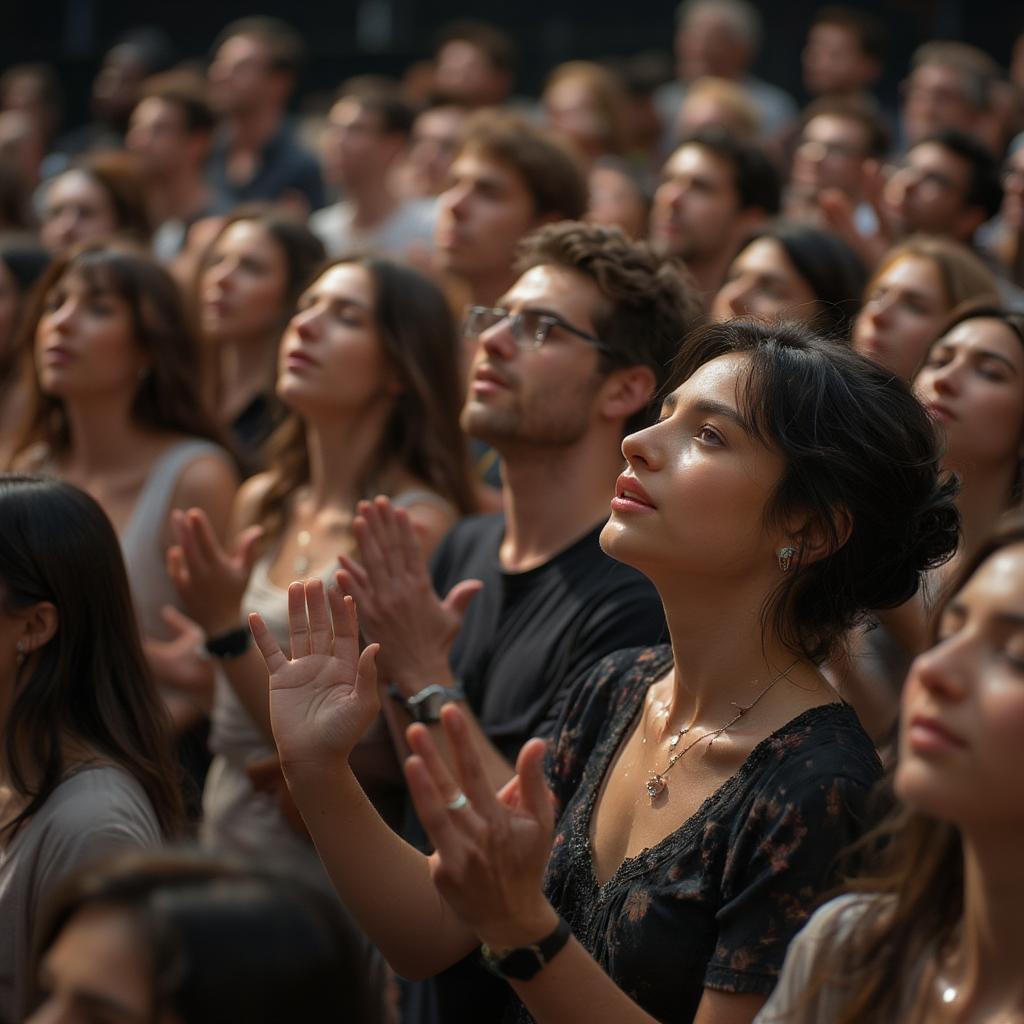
(715, 903)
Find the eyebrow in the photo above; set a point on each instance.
(708, 407)
(981, 353)
(1011, 619)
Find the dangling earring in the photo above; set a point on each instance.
(19, 657)
(786, 558)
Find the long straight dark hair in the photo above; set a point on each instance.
(90, 681)
(912, 867)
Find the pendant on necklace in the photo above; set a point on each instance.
(655, 785)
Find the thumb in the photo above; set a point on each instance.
(181, 624)
(533, 786)
(245, 546)
(460, 595)
(366, 677)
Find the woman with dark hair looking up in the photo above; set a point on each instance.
(696, 795)
(85, 743)
(368, 371)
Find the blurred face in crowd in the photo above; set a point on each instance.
(159, 139)
(85, 342)
(935, 97)
(615, 199)
(482, 215)
(358, 149)
(465, 74)
(903, 312)
(241, 77)
(972, 383)
(834, 63)
(709, 44)
(116, 88)
(243, 284)
(436, 137)
(962, 717)
(928, 194)
(1012, 211)
(763, 283)
(77, 210)
(696, 213)
(831, 154)
(572, 110)
(96, 970)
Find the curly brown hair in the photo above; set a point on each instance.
(650, 303)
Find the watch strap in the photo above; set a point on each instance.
(230, 644)
(425, 705)
(523, 963)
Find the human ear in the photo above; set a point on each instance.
(815, 537)
(627, 391)
(39, 624)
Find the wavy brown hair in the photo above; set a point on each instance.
(419, 338)
(167, 399)
(90, 682)
(914, 864)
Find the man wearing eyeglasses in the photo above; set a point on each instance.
(567, 361)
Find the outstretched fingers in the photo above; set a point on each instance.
(298, 621)
(268, 646)
(469, 767)
(321, 635)
(535, 795)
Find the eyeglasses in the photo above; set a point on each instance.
(530, 328)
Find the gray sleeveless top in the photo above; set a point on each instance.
(142, 538)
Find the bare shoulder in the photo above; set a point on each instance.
(249, 499)
(210, 475)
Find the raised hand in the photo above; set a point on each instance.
(490, 850)
(324, 697)
(181, 663)
(210, 580)
(397, 604)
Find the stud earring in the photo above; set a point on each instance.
(19, 647)
(786, 558)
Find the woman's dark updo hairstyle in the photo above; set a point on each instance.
(832, 269)
(227, 942)
(861, 458)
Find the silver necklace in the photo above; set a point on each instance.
(657, 783)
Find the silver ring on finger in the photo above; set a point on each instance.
(460, 801)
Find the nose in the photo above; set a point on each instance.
(499, 340)
(640, 448)
(878, 310)
(943, 670)
(306, 323)
(221, 272)
(948, 378)
(454, 199)
(60, 319)
(737, 297)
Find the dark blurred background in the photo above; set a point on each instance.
(385, 36)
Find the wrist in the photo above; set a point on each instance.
(524, 930)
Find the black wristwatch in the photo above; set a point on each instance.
(523, 963)
(231, 644)
(425, 706)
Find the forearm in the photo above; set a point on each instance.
(382, 880)
(248, 678)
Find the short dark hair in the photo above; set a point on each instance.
(854, 108)
(286, 46)
(868, 30)
(552, 175)
(862, 462)
(228, 942)
(395, 115)
(650, 304)
(756, 178)
(828, 264)
(490, 40)
(984, 185)
(117, 173)
(978, 71)
(183, 91)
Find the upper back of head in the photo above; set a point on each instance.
(984, 186)
(861, 465)
(977, 71)
(386, 105)
(227, 942)
(649, 305)
(757, 180)
(89, 682)
(550, 173)
(741, 17)
(187, 93)
(869, 32)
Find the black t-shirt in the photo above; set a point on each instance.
(525, 640)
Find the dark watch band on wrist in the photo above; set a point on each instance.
(230, 644)
(425, 705)
(523, 963)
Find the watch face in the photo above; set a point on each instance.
(430, 706)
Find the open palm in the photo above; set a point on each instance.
(324, 697)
